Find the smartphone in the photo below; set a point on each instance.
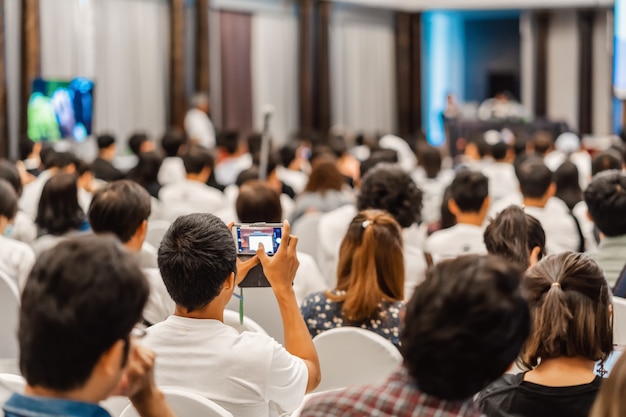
(247, 238)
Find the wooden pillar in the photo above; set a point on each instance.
(416, 73)
(541, 64)
(203, 69)
(323, 107)
(408, 73)
(585, 92)
(177, 103)
(30, 55)
(306, 62)
(4, 114)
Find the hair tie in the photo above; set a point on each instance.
(556, 284)
(365, 224)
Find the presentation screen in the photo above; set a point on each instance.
(60, 109)
(619, 69)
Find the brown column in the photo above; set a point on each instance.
(30, 55)
(203, 74)
(408, 73)
(542, 19)
(177, 103)
(323, 107)
(585, 99)
(416, 73)
(305, 59)
(4, 116)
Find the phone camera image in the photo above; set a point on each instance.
(250, 237)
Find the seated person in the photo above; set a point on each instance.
(469, 203)
(370, 281)
(570, 305)
(146, 172)
(501, 173)
(16, 258)
(233, 157)
(449, 354)
(102, 166)
(80, 304)
(139, 143)
(432, 180)
(122, 208)
(23, 227)
(249, 374)
(172, 170)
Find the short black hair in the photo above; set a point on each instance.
(172, 141)
(534, 178)
(119, 207)
(229, 140)
(9, 173)
(26, 147)
(58, 211)
(605, 161)
(196, 159)
(60, 160)
(378, 156)
(606, 202)
(430, 159)
(81, 297)
(468, 314)
(388, 187)
(287, 153)
(469, 190)
(196, 256)
(135, 141)
(499, 150)
(105, 141)
(8, 200)
(258, 202)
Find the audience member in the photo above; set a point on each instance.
(567, 184)
(198, 125)
(23, 227)
(102, 166)
(464, 326)
(146, 172)
(570, 305)
(29, 153)
(77, 314)
(610, 400)
(469, 203)
(567, 147)
(430, 178)
(501, 173)
(233, 157)
(540, 144)
(249, 374)
(139, 143)
(370, 281)
(172, 169)
(294, 163)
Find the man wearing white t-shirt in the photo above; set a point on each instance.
(249, 374)
(469, 204)
(198, 125)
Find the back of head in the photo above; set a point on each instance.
(378, 156)
(81, 297)
(606, 202)
(26, 147)
(499, 150)
(389, 188)
(542, 142)
(136, 141)
(605, 161)
(570, 305)
(534, 178)
(324, 176)
(430, 159)
(9, 173)
(469, 190)
(567, 183)
(119, 207)
(258, 202)
(60, 160)
(371, 265)
(105, 141)
(147, 169)
(288, 152)
(8, 200)
(468, 314)
(250, 174)
(229, 141)
(196, 159)
(513, 234)
(196, 256)
(58, 211)
(172, 141)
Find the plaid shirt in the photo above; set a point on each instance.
(398, 397)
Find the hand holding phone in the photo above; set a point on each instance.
(281, 268)
(248, 238)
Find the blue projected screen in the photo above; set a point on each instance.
(619, 69)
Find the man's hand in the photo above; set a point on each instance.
(138, 378)
(281, 268)
(243, 267)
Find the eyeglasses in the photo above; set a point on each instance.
(138, 332)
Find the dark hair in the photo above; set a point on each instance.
(80, 298)
(59, 160)
(196, 256)
(567, 183)
(58, 211)
(570, 303)
(119, 207)
(542, 142)
(258, 202)
(605, 161)
(246, 175)
(8, 200)
(147, 170)
(513, 235)
(429, 158)
(606, 201)
(196, 159)
(105, 141)
(324, 176)
(82, 167)
(26, 147)
(499, 150)
(388, 187)
(469, 190)
(172, 141)
(135, 141)
(9, 173)
(468, 314)
(288, 153)
(229, 140)
(482, 147)
(255, 140)
(379, 156)
(534, 178)
(447, 218)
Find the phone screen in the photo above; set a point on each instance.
(248, 238)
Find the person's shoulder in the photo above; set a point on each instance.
(502, 386)
(343, 402)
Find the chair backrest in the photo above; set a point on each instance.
(306, 230)
(619, 321)
(261, 306)
(156, 231)
(115, 405)
(185, 403)
(9, 311)
(10, 384)
(354, 356)
(231, 318)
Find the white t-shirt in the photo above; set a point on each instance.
(433, 190)
(172, 171)
(199, 127)
(249, 374)
(502, 180)
(29, 201)
(16, 260)
(188, 197)
(24, 228)
(561, 231)
(460, 239)
(227, 171)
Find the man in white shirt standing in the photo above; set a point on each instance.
(469, 204)
(249, 374)
(198, 126)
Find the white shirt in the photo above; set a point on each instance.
(586, 225)
(199, 127)
(159, 305)
(188, 197)
(24, 228)
(29, 201)
(247, 374)
(502, 180)
(172, 171)
(433, 190)
(460, 239)
(16, 260)
(295, 179)
(559, 225)
(227, 171)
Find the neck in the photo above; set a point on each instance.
(535, 202)
(475, 219)
(197, 177)
(562, 371)
(81, 394)
(212, 311)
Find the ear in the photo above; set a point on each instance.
(109, 364)
(534, 256)
(229, 284)
(453, 207)
(589, 216)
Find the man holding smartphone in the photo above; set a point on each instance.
(249, 374)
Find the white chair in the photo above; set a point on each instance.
(115, 405)
(231, 318)
(306, 230)
(156, 231)
(354, 356)
(10, 384)
(9, 311)
(261, 306)
(185, 403)
(619, 321)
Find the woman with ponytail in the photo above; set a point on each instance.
(570, 307)
(370, 280)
